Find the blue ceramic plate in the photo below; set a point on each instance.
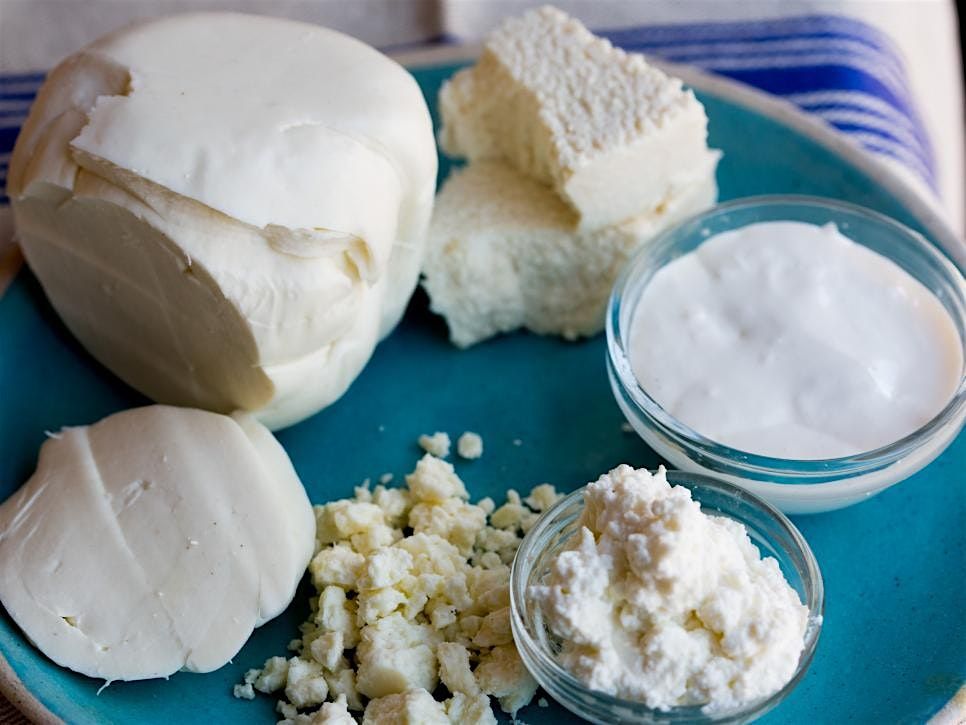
(894, 642)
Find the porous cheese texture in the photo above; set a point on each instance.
(397, 615)
(228, 211)
(154, 541)
(504, 252)
(658, 602)
(609, 133)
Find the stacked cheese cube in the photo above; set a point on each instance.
(579, 153)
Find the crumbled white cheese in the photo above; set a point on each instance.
(334, 713)
(658, 602)
(542, 497)
(454, 668)
(502, 674)
(465, 709)
(305, 685)
(393, 621)
(470, 445)
(272, 675)
(434, 481)
(244, 691)
(436, 444)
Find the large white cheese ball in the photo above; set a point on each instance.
(154, 541)
(227, 210)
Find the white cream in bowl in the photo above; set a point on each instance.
(789, 340)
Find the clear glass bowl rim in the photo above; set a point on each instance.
(782, 467)
(810, 574)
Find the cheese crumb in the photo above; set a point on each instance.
(397, 615)
(542, 497)
(436, 444)
(244, 691)
(334, 713)
(413, 707)
(469, 445)
(434, 481)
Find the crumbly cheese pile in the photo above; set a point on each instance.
(657, 602)
(413, 592)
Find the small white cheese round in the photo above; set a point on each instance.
(227, 210)
(153, 541)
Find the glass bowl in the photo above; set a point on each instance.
(769, 530)
(794, 486)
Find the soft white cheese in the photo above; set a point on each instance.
(504, 252)
(656, 601)
(154, 541)
(227, 210)
(609, 133)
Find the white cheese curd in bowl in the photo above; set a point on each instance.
(227, 210)
(788, 339)
(656, 602)
(154, 541)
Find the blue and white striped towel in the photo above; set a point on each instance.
(842, 70)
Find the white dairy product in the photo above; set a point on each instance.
(437, 444)
(154, 541)
(505, 252)
(612, 135)
(657, 602)
(470, 445)
(790, 340)
(227, 210)
(399, 615)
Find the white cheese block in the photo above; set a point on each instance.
(227, 210)
(154, 541)
(505, 252)
(610, 133)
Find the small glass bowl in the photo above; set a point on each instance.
(769, 530)
(794, 486)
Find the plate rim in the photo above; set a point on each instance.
(923, 208)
